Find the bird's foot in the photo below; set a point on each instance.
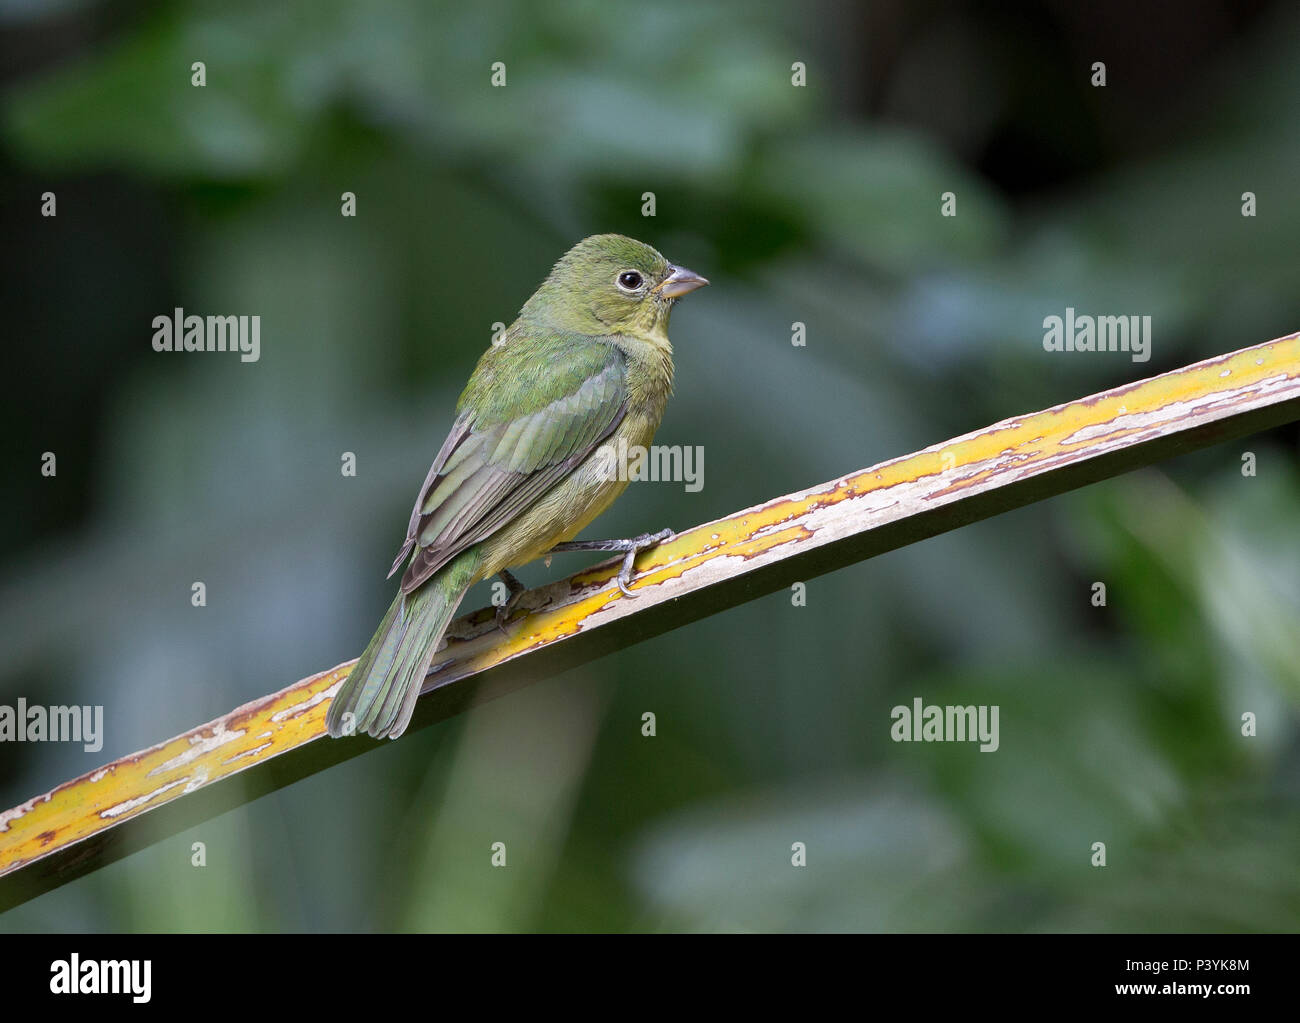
(517, 590)
(633, 546)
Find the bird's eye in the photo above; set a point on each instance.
(629, 280)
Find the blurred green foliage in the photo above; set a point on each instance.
(820, 205)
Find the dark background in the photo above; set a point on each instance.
(818, 204)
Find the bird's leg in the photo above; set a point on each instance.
(633, 547)
(517, 590)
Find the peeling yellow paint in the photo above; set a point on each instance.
(282, 721)
(109, 795)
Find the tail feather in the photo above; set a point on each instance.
(379, 695)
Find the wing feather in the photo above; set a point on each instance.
(495, 464)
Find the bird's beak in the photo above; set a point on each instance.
(681, 281)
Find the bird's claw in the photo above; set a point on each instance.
(503, 611)
(639, 544)
(502, 614)
(625, 574)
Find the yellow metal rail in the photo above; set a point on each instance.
(271, 742)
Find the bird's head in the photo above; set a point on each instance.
(610, 284)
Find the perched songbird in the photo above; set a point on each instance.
(526, 466)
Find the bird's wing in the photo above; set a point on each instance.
(531, 412)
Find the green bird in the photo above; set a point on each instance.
(525, 467)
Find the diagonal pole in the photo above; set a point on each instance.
(273, 741)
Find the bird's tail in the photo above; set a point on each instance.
(379, 695)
